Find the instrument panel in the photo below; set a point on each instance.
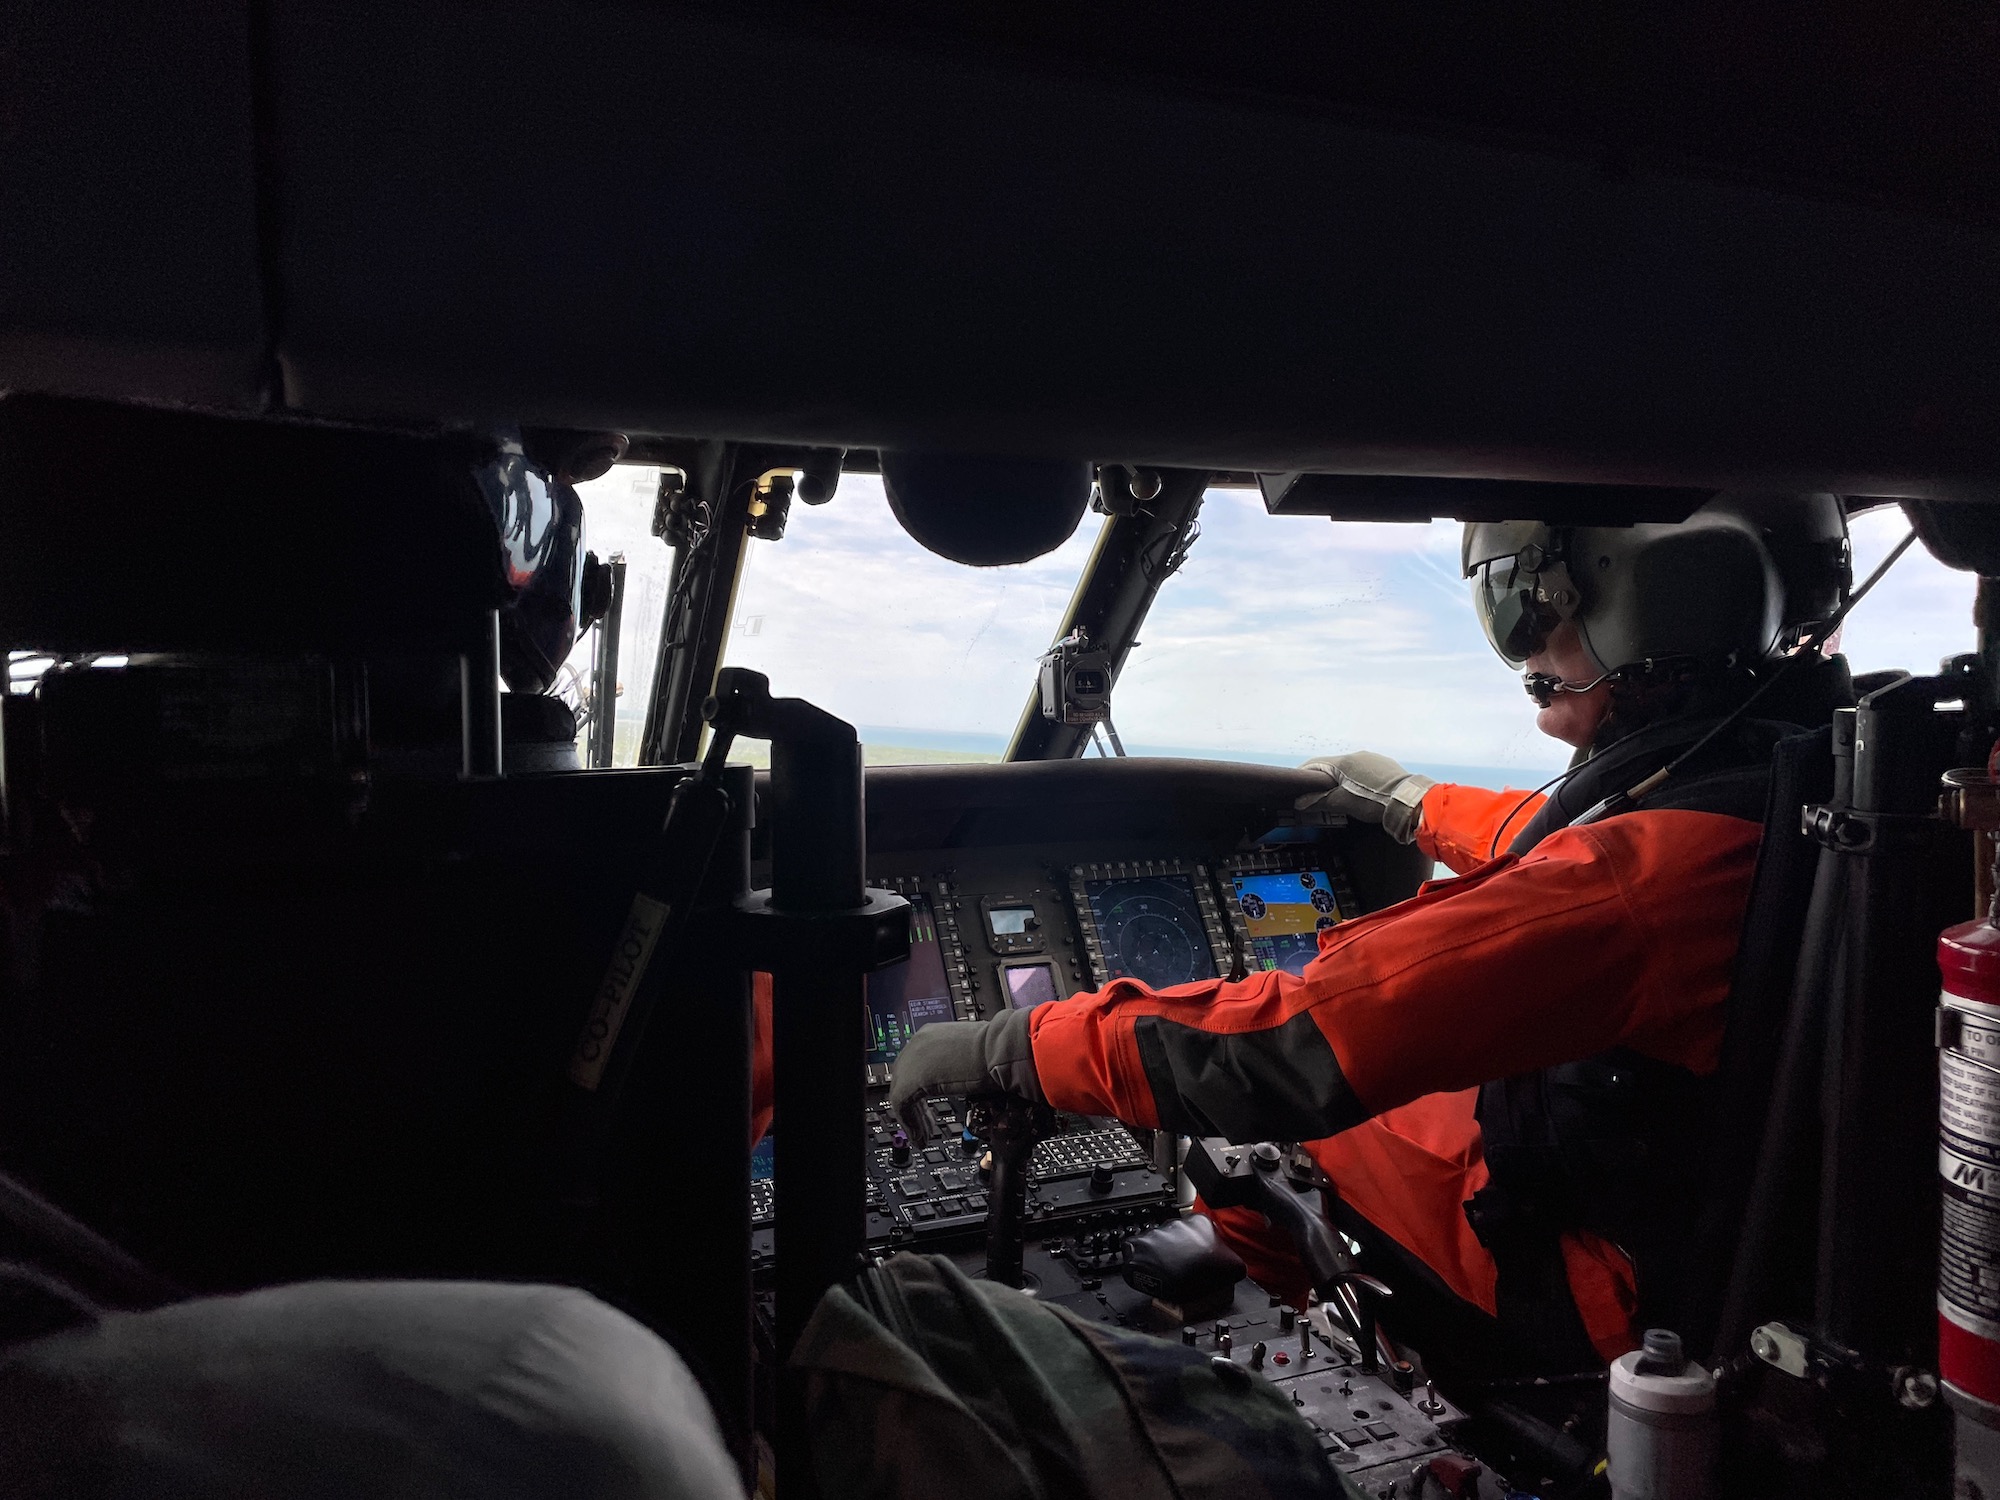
(1002, 929)
(1030, 883)
(987, 934)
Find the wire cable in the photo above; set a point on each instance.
(1493, 849)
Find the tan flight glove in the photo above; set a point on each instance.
(1370, 788)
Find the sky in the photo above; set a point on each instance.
(1282, 637)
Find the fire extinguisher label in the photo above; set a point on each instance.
(1969, 1106)
(1969, 1167)
(1978, 1034)
(1969, 1246)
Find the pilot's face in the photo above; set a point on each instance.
(1572, 718)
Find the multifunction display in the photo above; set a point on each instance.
(904, 999)
(1030, 984)
(1283, 915)
(1151, 929)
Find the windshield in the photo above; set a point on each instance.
(1921, 611)
(1285, 637)
(1281, 638)
(931, 660)
(618, 521)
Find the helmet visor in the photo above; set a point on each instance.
(1505, 596)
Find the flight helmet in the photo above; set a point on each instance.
(1742, 580)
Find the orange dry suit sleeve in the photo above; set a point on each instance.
(762, 1087)
(1462, 827)
(1620, 933)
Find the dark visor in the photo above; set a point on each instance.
(1503, 592)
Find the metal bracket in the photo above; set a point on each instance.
(1782, 1349)
(1846, 831)
(1830, 1367)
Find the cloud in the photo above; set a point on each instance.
(1294, 635)
(1921, 611)
(864, 621)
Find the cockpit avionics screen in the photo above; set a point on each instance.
(1151, 929)
(1284, 914)
(904, 999)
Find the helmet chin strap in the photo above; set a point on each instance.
(1543, 686)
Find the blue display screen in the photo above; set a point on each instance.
(1284, 915)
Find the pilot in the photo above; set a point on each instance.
(1499, 1074)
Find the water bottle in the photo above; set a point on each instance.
(1661, 1437)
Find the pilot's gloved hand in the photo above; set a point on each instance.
(1373, 789)
(973, 1058)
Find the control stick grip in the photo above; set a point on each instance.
(1299, 1216)
(1011, 1126)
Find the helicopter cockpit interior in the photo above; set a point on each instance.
(486, 491)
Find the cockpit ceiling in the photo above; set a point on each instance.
(1654, 254)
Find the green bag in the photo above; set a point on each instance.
(924, 1384)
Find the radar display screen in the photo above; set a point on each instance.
(1284, 914)
(1151, 929)
(904, 999)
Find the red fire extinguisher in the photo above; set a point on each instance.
(1968, 1297)
(1969, 1160)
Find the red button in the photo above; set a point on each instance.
(1281, 1358)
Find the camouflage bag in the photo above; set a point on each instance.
(923, 1383)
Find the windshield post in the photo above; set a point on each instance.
(1135, 554)
(700, 594)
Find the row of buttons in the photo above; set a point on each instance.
(958, 975)
(945, 1179)
(946, 1208)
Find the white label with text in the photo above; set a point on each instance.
(614, 996)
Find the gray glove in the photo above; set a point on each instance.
(1371, 788)
(963, 1057)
